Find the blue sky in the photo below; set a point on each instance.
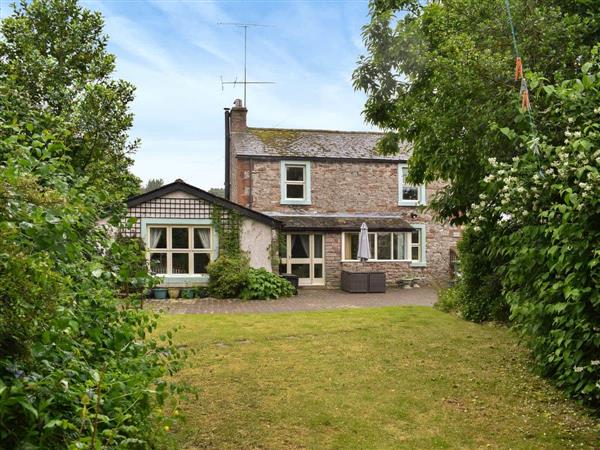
(175, 53)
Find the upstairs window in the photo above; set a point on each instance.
(295, 182)
(408, 194)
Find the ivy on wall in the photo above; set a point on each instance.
(227, 226)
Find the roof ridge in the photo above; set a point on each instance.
(300, 130)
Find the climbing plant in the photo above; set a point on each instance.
(227, 226)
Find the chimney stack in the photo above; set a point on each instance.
(238, 117)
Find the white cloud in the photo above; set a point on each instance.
(175, 54)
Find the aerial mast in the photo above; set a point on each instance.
(245, 26)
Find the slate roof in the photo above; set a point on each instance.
(311, 144)
(338, 223)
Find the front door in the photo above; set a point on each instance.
(302, 255)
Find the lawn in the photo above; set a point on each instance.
(403, 377)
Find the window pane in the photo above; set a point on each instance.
(158, 262)
(399, 246)
(371, 245)
(201, 260)
(318, 246)
(318, 270)
(294, 173)
(410, 193)
(158, 238)
(350, 245)
(301, 270)
(416, 236)
(201, 237)
(384, 246)
(415, 253)
(179, 238)
(282, 268)
(181, 262)
(300, 248)
(294, 191)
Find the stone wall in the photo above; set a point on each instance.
(350, 188)
(336, 187)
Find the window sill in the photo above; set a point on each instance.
(376, 261)
(295, 202)
(410, 203)
(418, 264)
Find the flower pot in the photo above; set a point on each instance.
(188, 293)
(173, 292)
(160, 293)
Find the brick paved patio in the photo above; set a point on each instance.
(306, 300)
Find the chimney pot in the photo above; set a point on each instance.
(237, 117)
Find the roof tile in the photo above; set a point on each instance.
(290, 143)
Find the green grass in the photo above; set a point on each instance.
(408, 377)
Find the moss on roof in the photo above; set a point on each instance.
(279, 139)
(285, 142)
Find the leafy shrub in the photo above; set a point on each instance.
(478, 293)
(448, 299)
(201, 292)
(232, 277)
(261, 284)
(86, 372)
(79, 368)
(228, 276)
(544, 208)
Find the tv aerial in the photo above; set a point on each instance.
(245, 82)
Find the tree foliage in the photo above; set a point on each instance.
(53, 60)
(79, 367)
(153, 183)
(440, 75)
(540, 213)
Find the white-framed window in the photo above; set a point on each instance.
(389, 246)
(179, 249)
(295, 182)
(408, 194)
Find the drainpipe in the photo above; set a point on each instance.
(227, 156)
(250, 190)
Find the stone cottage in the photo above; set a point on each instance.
(321, 185)
(182, 227)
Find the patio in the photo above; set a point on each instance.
(306, 300)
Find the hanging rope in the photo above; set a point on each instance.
(523, 89)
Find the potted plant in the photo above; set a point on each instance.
(173, 292)
(188, 293)
(160, 293)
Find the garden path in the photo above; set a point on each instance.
(306, 300)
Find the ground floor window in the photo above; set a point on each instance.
(387, 246)
(302, 255)
(179, 249)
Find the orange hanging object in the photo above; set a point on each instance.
(524, 92)
(525, 101)
(518, 69)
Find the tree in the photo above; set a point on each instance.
(440, 76)
(219, 192)
(153, 183)
(79, 367)
(542, 210)
(53, 61)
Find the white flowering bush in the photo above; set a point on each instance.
(543, 208)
